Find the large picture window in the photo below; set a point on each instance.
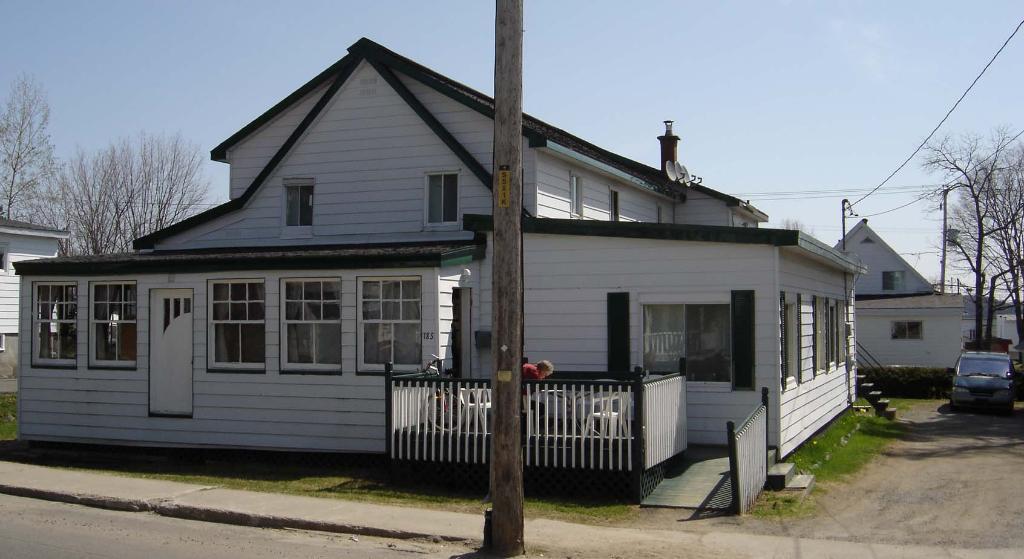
(700, 333)
(312, 324)
(389, 323)
(113, 324)
(56, 323)
(237, 320)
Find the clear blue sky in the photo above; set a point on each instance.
(767, 96)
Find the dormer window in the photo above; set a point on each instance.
(298, 202)
(442, 198)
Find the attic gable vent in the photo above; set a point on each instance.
(867, 241)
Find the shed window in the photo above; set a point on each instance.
(907, 330)
(443, 198)
(312, 323)
(56, 322)
(893, 281)
(113, 321)
(575, 195)
(237, 316)
(299, 204)
(389, 323)
(613, 205)
(700, 333)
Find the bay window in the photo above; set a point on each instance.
(311, 336)
(389, 323)
(237, 324)
(56, 323)
(113, 324)
(700, 333)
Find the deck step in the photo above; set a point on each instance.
(863, 408)
(866, 386)
(780, 475)
(888, 414)
(874, 396)
(881, 405)
(801, 485)
(773, 456)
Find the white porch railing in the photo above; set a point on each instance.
(748, 456)
(664, 419)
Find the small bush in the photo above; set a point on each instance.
(911, 382)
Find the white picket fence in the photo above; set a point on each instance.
(566, 424)
(748, 452)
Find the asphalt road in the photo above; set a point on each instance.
(32, 529)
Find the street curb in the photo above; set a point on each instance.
(171, 509)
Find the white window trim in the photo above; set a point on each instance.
(576, 199)
(42, 361)
(5, 260)
(361, 365)
(211, 343)
(295, 231)
(614, 193)
(647, 299)
(3, 342)
(892, 325)
(285, 364)
(442, 225)
(91, 336)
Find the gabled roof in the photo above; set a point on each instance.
(17, 226)
(539, 133)
(862, 225)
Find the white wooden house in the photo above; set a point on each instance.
(19, 240)
(357, 234)
(901, 320)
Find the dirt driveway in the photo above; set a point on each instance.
(954, 480)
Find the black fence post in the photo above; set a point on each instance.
(389, 435)
(767, 428)
(734, 473)
(682, 366)
(639, 450)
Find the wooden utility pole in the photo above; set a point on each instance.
(506, 524)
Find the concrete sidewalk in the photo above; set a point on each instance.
(8, 385)
(206, 503)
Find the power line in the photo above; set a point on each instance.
(943, 121)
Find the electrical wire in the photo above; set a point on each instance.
(943, 121)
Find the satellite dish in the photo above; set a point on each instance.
(682, 174)
(670, 170)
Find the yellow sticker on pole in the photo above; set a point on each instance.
(504, 376)
(504, 186)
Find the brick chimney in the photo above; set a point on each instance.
(669, 145)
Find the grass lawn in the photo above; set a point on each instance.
(850, 443)
(8, 417)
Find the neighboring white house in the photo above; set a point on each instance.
(357, 234)
(19, 240)
(900, 318)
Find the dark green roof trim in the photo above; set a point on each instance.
(148, 241)
(407, 255)
(220, 153)
(666, 231)
(428, 118)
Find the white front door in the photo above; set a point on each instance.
(170, 352)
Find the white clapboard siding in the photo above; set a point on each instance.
(553, 174)
(877, 256)
(269, 409)
(812, 398)
(701, 209)
(368, 153)
(940, 341)
(567, 279)
(18, 248)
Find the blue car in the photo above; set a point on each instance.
(983, 380)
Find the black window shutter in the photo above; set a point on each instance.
(814, 335)
(783, 342)
(799, 338)
(743, 339)
(618, 332)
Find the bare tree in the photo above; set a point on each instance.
(795, 225)
(131, 188)
(26, 154)
(1008, 237)
(971, 167)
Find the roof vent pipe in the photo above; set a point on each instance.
(669, 146)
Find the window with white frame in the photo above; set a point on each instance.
(442, 198)
(237, 323)
(389, 323)
(575, 195)
(700, 333)
(113, 324)
(311, 336)
(613, 205)
(907, 330)
(56, 323)
(298, 202)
